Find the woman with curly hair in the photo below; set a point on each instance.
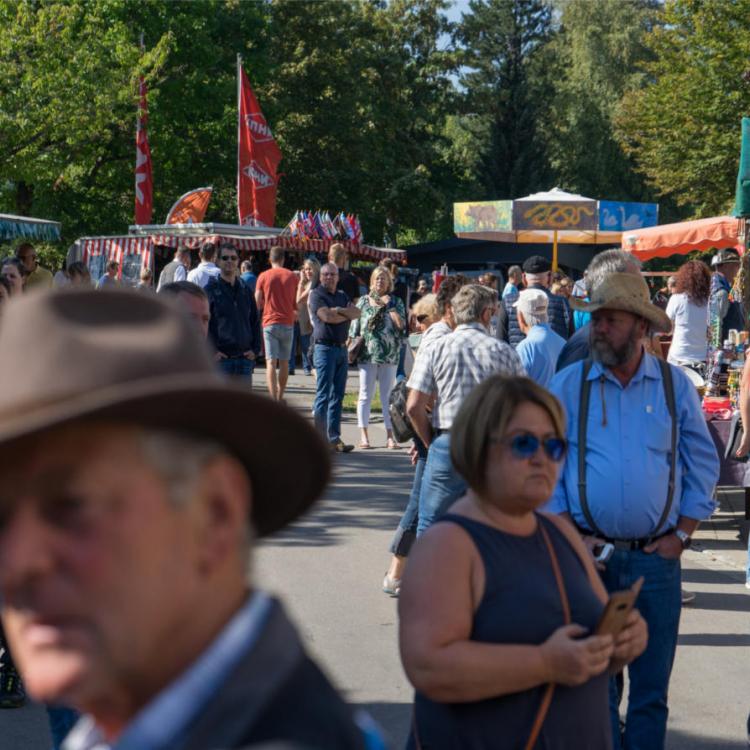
(688, 311)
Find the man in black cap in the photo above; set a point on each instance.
(536, 275)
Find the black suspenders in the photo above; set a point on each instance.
(667, 382)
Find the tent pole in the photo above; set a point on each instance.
(554, 250)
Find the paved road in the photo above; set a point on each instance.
(329, 567)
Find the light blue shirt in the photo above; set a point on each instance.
(171, 712)
(627, 452)
(510, 289)
(539, 352)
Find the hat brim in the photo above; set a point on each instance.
(286, 460)
(658, 319)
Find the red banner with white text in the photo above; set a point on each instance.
(144, 181)
(258, 157)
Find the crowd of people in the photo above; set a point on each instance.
(558, 458)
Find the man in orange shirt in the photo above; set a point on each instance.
(276, 297)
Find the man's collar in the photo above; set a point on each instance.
(648, 368)
(476, 325)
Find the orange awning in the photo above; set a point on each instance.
(679, 239)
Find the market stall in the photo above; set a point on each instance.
(153, 246)
(719, 232)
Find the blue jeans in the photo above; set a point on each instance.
(332, 365)
(304, 345)
(442, 485)
(406, 533)
(400, 372)
(239, 367)
(747, 569)
(659, 602)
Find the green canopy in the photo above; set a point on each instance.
(742, 194)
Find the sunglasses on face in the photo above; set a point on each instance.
(526, 445)
(229, 257)
(422, 318)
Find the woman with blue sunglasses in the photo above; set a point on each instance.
(499, 602)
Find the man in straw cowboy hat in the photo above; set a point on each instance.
(639, 475)
(128, 508)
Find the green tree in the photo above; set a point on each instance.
(596, 54)
(504, 84)
(681, 121)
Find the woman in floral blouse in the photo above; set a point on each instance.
(383, 327)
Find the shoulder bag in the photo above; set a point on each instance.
(541, 713)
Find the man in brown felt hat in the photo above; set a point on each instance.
(639, 476)
(128, 508)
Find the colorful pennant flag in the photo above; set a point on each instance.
(190, 208)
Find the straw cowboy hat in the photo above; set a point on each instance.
(70, 356)
(627, 292)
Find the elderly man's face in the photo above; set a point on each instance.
(27, 256)
(615, 336)
(100, 576)
(329, 278)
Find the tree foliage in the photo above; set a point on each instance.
(597, 52)
(682, 125)
(504, 89)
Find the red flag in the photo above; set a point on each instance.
(258, 156)
(144, 180)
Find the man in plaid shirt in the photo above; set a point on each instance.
(451, 369)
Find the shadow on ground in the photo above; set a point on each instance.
(677, 740)
(344, 507)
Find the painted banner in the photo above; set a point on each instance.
(14, 227)
(548, 215)
(622, 217)
(190, 208)
(258, 157)
(144, 179)
(483, 216)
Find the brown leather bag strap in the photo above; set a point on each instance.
(541, 714)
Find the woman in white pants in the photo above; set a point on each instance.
(383, 327)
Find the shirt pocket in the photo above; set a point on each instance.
(656, 429)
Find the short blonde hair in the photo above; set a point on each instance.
(426, 305)
(380, 271)
(337, 253)
(487, 411)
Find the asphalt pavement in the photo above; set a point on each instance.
(328, 569)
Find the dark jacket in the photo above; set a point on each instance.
(275, 695)
(576, 348)
(558, 312)
(235, 324)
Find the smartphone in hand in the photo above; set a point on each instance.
(617, 610)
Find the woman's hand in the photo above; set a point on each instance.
(744, 448)
(632, 639)
(572, 660)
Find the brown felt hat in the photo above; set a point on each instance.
(627, 292)
(70, 356)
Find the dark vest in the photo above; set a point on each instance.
(167, 273)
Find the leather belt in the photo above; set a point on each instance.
(626, 544)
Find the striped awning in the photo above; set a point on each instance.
(115, 247)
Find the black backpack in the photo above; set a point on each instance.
(402, 428)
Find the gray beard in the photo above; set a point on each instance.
(604, 353)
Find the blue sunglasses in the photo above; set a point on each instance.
(526, 445)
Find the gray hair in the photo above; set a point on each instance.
(610, 261)
(471, 301)
(178, 458)
(535, 320)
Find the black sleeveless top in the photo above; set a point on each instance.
(521, 605)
